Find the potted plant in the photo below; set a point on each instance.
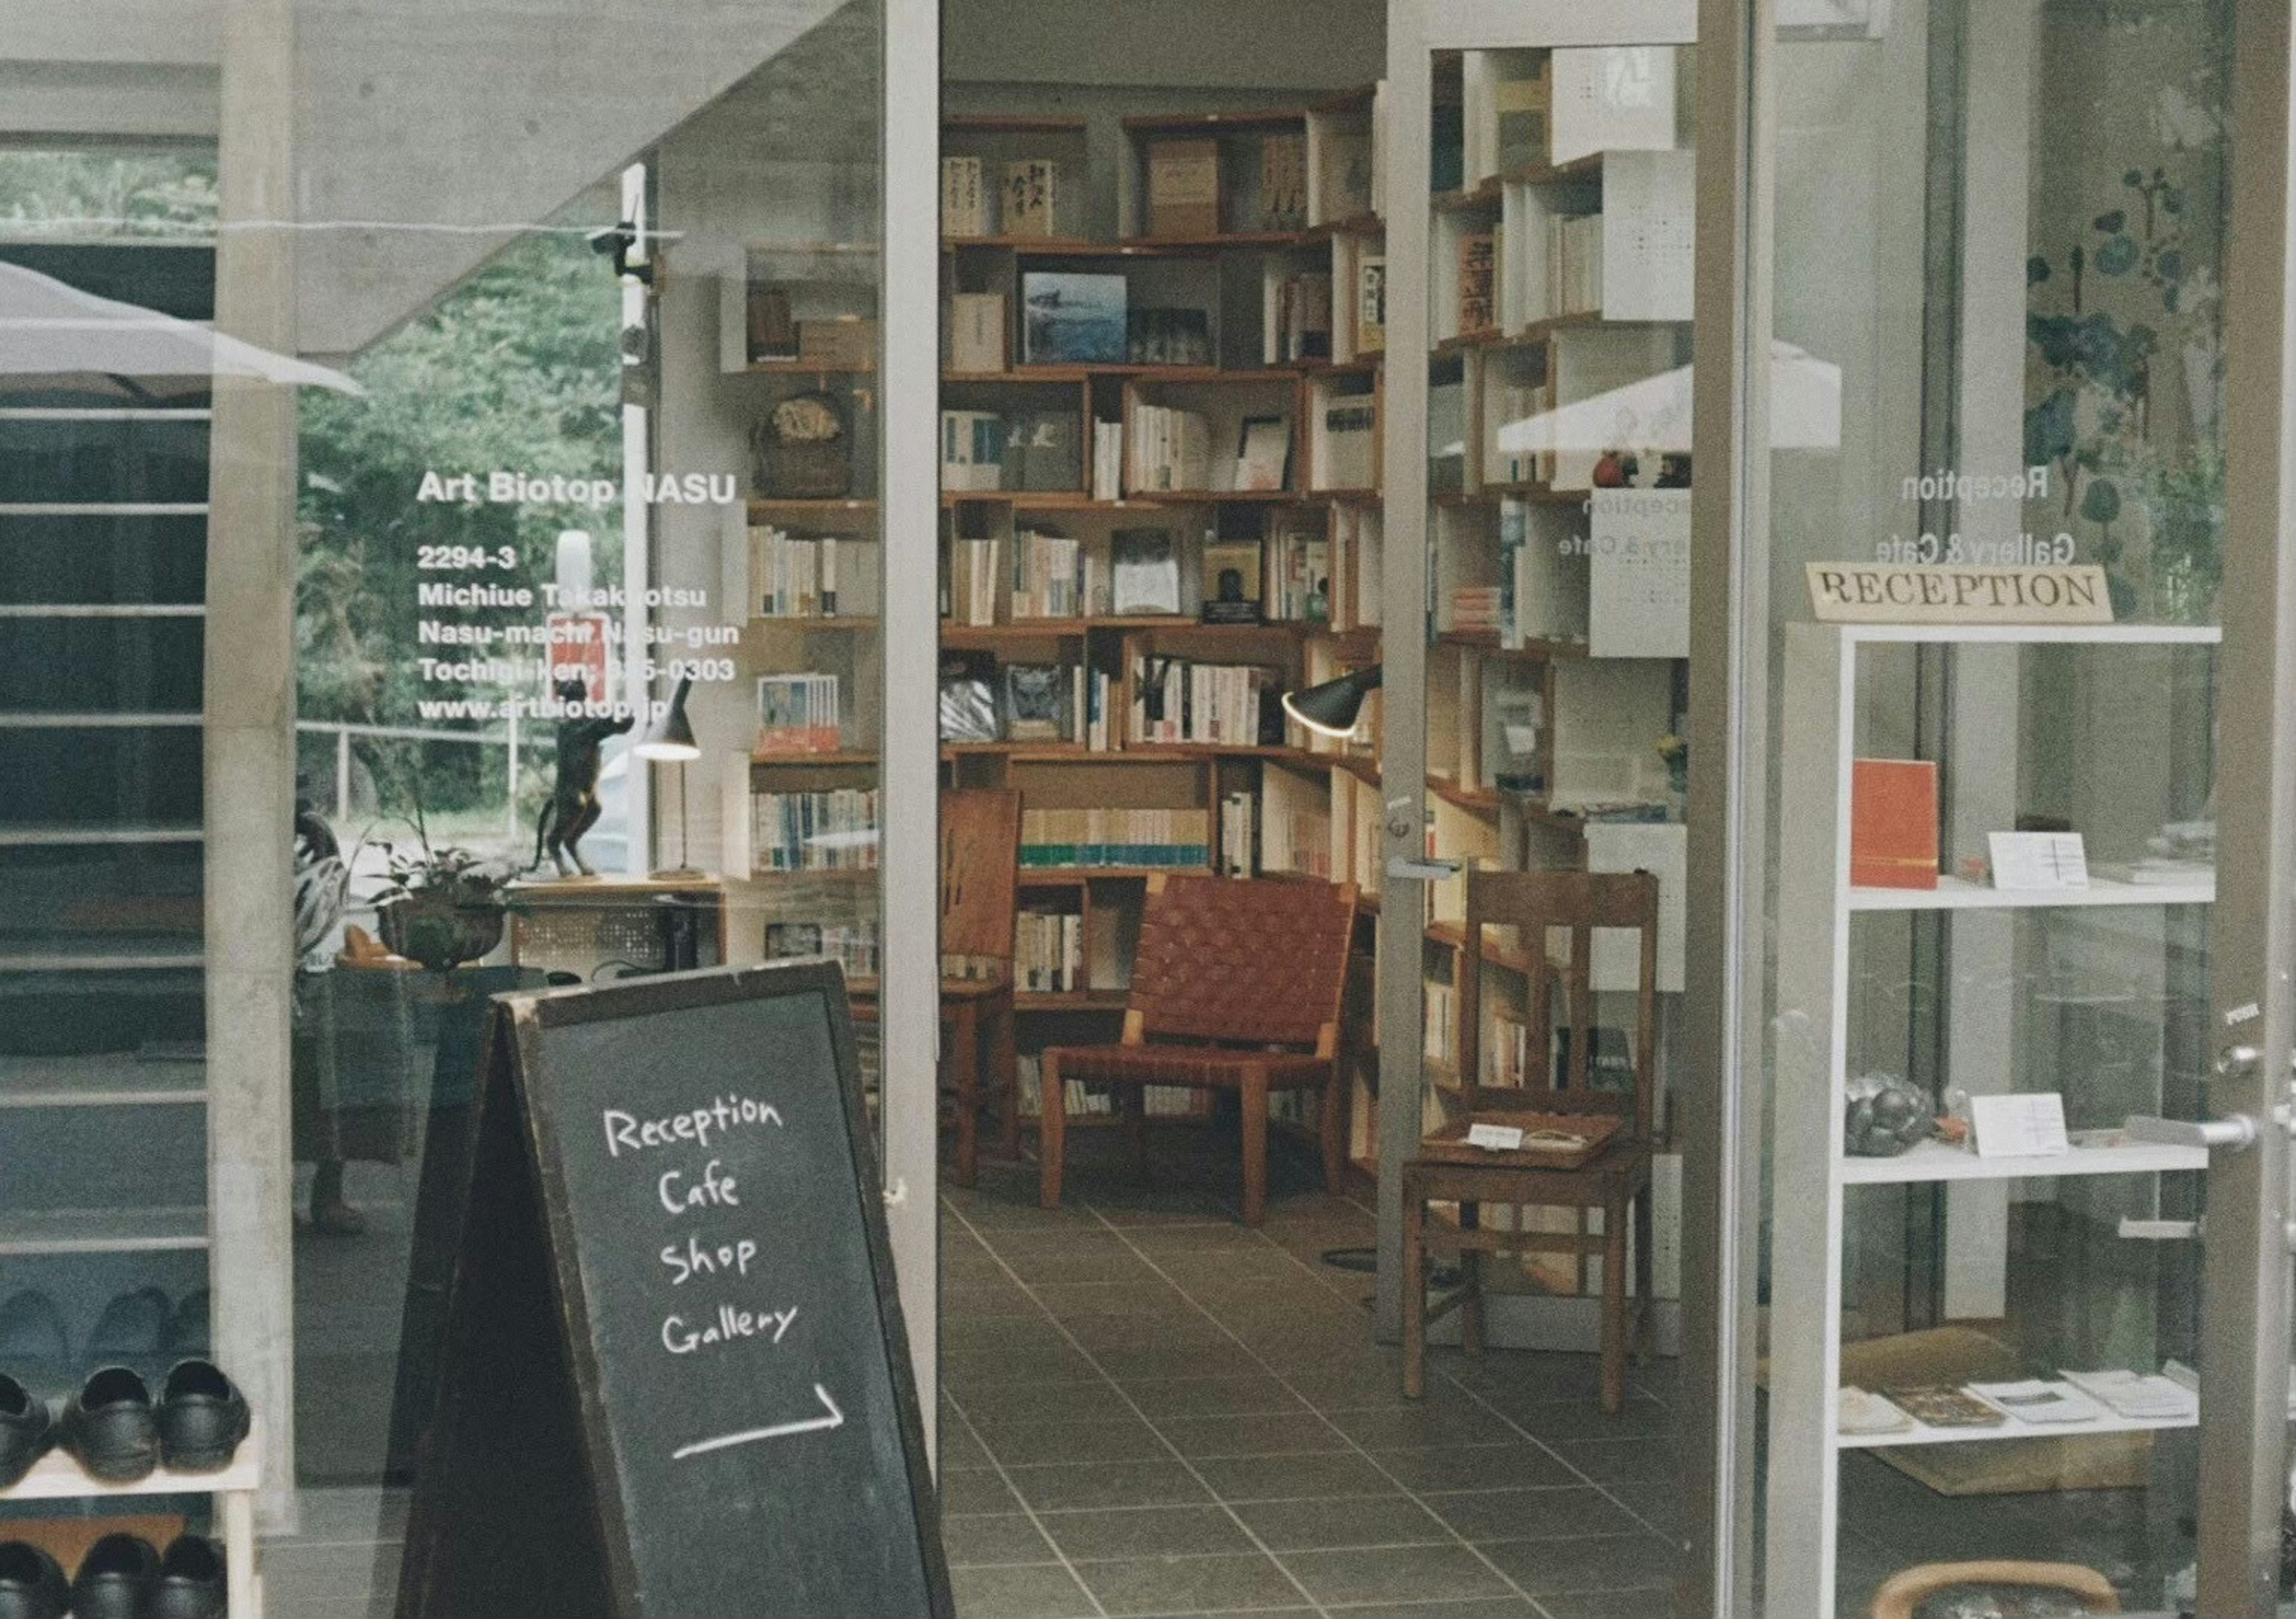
(440, 907)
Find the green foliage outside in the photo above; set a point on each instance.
(153, 191)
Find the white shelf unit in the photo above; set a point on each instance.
(57, 1476)
(1922, 1433)
(1816, 905)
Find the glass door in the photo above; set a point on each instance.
(2002, 806)
(1538, 291)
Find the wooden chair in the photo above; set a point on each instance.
(1235, 987)
(1615, 1175)
(980, 859)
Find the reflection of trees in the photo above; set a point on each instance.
(515, 370)
(105, 194)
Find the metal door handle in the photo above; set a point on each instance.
(2234, 1132)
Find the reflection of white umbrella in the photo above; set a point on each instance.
(48, 328)
(1654, 413)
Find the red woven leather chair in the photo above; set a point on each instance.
(1235, 987)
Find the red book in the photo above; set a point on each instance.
(1893, 824)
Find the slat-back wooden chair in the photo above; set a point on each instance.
(980, 858)
(1557, 1088)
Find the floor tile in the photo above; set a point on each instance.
(1390, 1574)
(1059, 1264)
(1521, 1374)
(1489, 1466)
(1145, 1531)
(1424, 1427)
(1239, 1396)
(1200, 1355)
(1021, 1444)
(1047, 1591)
(1358, 1384)
(977, 1369)
(1075, 1487)
(1556, 1513)
(1189, 1585)
(1028, 1401)
(1585, 1418)
(1486, 1608)
(975, 1492)
(1657, 1502)
(1324, 1525)
(1609, 1461)
(1276, 1434)
(985, 1543)
(1063, 1299)
(1643, 1602)
(1243, 1478)
(1626, 1562)
(960, 1448)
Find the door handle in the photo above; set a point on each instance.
(2232, 1132)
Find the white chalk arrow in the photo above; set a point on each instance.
(780, 1430)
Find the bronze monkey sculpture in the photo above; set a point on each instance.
(572, 807)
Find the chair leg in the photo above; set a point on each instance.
(1051, 1126)
(1006, 1069)
(1334, 1123)
(1253, 1097)
(1646, 1297)
(1614, 1305)
(1132, 1101)
(1470, 1267)
(1414, 1293)
(964, 1077)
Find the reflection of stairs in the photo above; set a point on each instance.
(427, 138)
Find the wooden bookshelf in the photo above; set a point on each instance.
(1235, 275)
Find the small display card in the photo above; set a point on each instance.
(2038, 860)
(2020, 1126)
(1495, 1138)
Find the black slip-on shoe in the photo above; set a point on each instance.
(31, 1585)
(191, 1581)
(116, 1579)
(32, 1330)
(109, 1425)
(26, 1430)
(202, 1417)
(133, 1326)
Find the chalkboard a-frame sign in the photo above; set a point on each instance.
(675, 1379)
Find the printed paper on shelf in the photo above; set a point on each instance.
(1638, 598)
(1650, 215)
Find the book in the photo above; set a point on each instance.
(972, 451)
(968, 697)
(2139, 1396)
(1263, 452)
(1169, 337)
(963, 198)
(1168, 450)
(1351, 423)
(1184, 187)
(1028, 197)
(976, 332)
(1033, 702)
(1296, 317)
(1371, 303)
(1893, 824)
(1300, 589)
(2042, 1403)
(976, 579)
(1863, 1411)
(1478, 268)
(799, 714)
(1041, 452)
(1519, 107)
(1232, 581)
(1107, 461)
(1936, 1405)
(1073, 318)
(1284, 182)
(1146, 572)
(836, 830)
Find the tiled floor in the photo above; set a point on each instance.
(1148, 1409)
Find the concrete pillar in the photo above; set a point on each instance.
(250, 749)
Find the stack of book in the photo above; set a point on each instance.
(1479, 259)
(1220, 705)
(1048, 952)
(1442, 1042)
(1050, 577)
(799, 714)
(1477, 609)
(1107, 461)
(1295, 317)
(1507, 1044)
(972, 451)
(795, 575)
(1170, 450)
(1517, 402)
(1171, 837)
(1350, 423)
(1295, 825)
(1574, 263)
(1238, 848)
(1299, 590)
(821, 832)
(976, 580)
(852, 945)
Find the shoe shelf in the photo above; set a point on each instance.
(24, 1232)
(1922, 1433)
(1935, 1161)
(59, 1477)
(1958, 893)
